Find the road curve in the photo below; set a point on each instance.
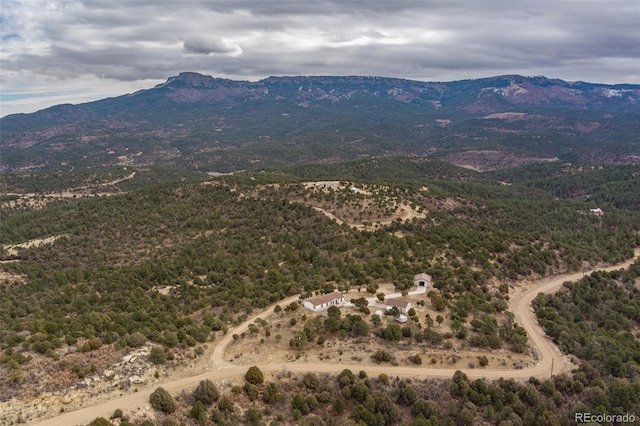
(548, 354)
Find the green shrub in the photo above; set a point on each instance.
(252, 416)
(169, 421)
(251, 391)
(157, 355)
(311, 381)
(206, 392)
(381, 356)
(100, 421)
(225, 404)
(254, 376)
(136, 339)
(161, 400)
(170, 339)
(483, 361)
(198, 412)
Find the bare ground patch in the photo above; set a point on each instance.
(483, 161)
(13, 249)
(280, 343)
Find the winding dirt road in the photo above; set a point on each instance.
(520, 305)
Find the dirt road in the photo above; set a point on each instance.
(548, 353)
(520, 305)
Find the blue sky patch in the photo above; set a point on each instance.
(10, 36)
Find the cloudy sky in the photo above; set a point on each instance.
(74, 51)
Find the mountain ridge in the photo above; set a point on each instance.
(628, 92)
(230, 122)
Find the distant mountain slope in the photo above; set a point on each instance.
(201, 122)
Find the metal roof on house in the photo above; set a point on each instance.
(325, 298)
(422, 277)
(398, 303)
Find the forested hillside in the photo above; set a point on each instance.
(598, 185)
(177, 263)
(596, 319)
(198, 122)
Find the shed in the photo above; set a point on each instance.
(402, 305)
(422, 280)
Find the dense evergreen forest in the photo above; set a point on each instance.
(595, 319)
(608, 185)
(351, 398)
(177, 262)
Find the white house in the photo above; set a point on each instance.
(321, 302)
(422, 280)
(401, 319)
(324, 185)
(402, 305)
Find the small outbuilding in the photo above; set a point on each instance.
(402, 305)
(319, 303)
(422, 280)
(401, 319)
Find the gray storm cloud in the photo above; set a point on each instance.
(205, 45)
